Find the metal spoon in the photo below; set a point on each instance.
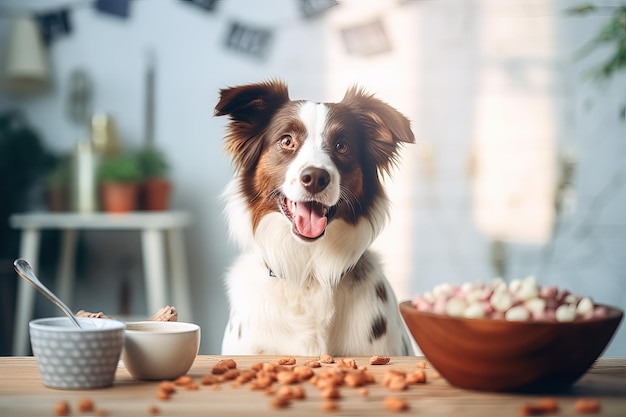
(24, 270)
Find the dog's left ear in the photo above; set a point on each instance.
(250, 109)
(387, 128)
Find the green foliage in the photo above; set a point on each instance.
(153, 162)
(23, 163)
(59, 174)
(120, 168)
(613, 32)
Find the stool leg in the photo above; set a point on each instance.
(65, 272)
(178, 274)
(29, 251)
(154, 269)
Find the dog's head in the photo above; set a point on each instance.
(312, 162)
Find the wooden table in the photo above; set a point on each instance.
(21, 393)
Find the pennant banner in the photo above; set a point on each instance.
(249, 40)
(209, 5)
(119, 8)
(367, 39)
(312, 8)
(54, 24)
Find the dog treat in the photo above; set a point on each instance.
(587, 406)
(395, 404)
(162, 395)
(167, 313)
(99, 315)
(280, 402)
(519, 300)
(543, 407)
(85, 405)
(287, 360)
(326, 358)
(183, 380)
(379, 360)
(347, 363)
(312, 364)
(62, 408)
(153, 410)
(329, 406)
(167, 386)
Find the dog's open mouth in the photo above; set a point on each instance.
(308, 218)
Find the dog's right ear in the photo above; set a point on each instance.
(250, 109)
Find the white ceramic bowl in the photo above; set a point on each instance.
(73, 358)
(155, 350)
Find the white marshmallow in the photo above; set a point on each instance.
(514, 285)
(455, 307)
(528, 289)
(442, 290)
(584, 307)
(501, 301)
(517, 313)
(474, 295)
(474, 311)
(467, 287)
(566, 312)
(536, 306)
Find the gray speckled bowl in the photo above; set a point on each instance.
(72, 358)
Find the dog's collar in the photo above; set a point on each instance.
(271, 273)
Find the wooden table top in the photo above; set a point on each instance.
(22, 393)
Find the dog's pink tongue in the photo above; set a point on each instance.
(310, 219)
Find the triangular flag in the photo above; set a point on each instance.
(312, 8)
(249, 40)
(209, 5)
(54, 24)
(119, 8)
(366, 39)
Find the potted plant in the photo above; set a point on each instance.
(57, 185)
(156, 187)
(119, 177)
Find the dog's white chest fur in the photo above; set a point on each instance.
(330, 296)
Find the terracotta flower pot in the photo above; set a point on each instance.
(118, 197)
(57, 198)
(156, 194)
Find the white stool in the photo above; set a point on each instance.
(158, 229)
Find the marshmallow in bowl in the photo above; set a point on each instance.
(519, 300)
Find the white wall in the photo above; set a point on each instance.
(448, 55)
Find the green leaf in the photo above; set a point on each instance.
(582, 10)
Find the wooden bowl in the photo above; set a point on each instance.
(500, 355)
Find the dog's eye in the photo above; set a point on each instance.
(342, 147)
(287, 142)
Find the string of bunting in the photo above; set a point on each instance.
(253, 40)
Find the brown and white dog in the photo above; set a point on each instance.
(305, 204)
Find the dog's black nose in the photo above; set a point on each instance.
(314, 179)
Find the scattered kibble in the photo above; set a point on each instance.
(587, 406)
(395, 404)
(85, 405)
(62, 408)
